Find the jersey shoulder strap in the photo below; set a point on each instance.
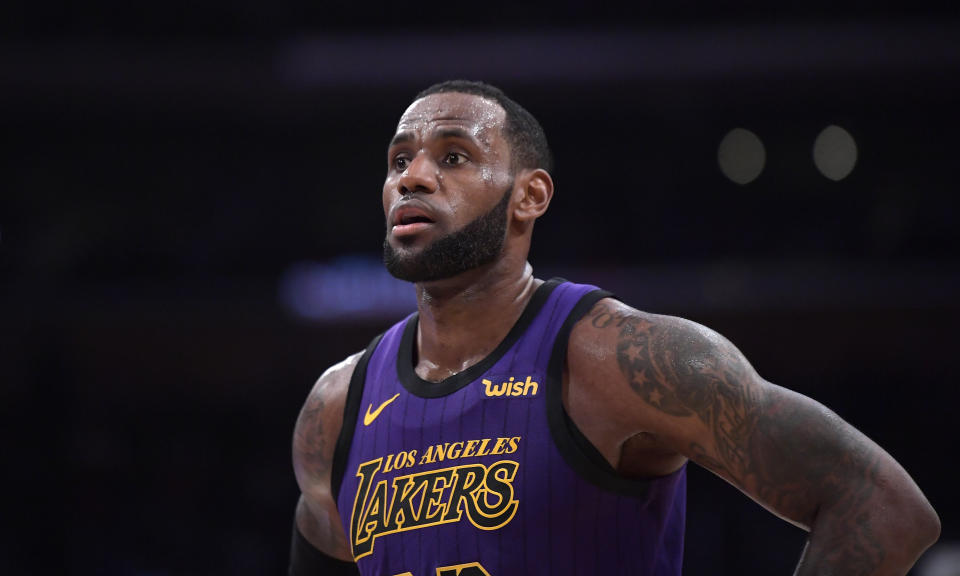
(351, 410)
(579, 453)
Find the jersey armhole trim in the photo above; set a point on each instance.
(577, 450)
(351, 411)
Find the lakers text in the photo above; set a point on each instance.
(483, 494)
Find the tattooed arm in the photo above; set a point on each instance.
(689, 392)
(314, 440)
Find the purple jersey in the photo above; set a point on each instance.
(484, 472)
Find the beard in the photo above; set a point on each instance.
(478, 243)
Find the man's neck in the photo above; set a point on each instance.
(463, 319)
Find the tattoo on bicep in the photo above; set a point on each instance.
(785, 452)
(644, 376)
(682, 376)
(309, 438)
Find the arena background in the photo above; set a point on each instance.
(190, 227)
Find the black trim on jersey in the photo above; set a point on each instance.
(579, 453)
(351, 410)
(426, 389)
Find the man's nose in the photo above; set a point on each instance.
(420, 176)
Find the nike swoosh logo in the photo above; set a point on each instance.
(369, 417)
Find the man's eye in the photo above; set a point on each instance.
(401, 163)
(454, 159)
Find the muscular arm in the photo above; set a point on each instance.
(314, 441)
(694, 392)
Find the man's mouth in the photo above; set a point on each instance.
(410, 220)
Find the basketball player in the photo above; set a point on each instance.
(520, 426)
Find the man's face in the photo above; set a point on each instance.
(447, 189)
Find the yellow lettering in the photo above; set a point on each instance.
(400, 460)
(491, 390)
(453, 450)
(483, 494)
(401, 508)
(530, 384)
(499, 447)
(427, 457)
(487, 385)
(482, 451)
(514, 444)
(471, 446)
(471, 569)
(387, 467)
(375, 518)
(432, 496)
(365, 472)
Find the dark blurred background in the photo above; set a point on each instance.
(190, 227)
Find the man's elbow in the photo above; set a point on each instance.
(928, 524)
(919, 522)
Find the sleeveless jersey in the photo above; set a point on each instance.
(484, 473)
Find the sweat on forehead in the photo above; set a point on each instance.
(476, 114)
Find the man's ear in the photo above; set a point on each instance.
(533, 194)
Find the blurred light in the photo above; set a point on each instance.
(741, 156)
(943, 559)
(351, 287)
(835, 153)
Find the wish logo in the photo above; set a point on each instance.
(510, 387)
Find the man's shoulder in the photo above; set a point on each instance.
(613, 329)
(319, 423)
(323, 408)
(674, 365)
(335, 380)
(611, 314)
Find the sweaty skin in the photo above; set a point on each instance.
(649, 391)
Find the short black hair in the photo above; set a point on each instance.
(528, 143)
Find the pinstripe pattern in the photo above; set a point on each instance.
(563, 524)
